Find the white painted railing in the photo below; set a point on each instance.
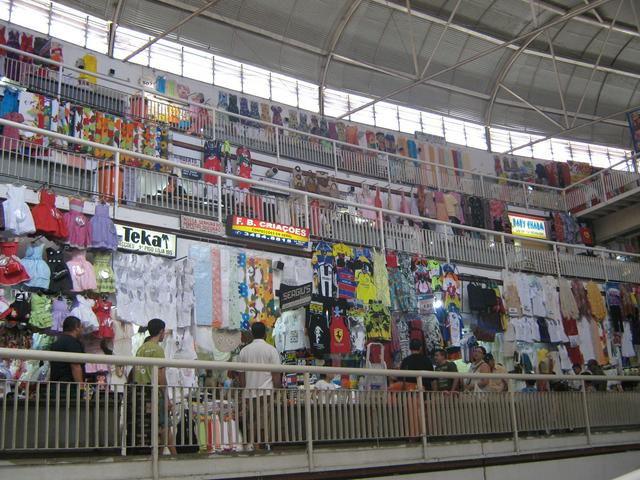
(50, 417)
(326, 217)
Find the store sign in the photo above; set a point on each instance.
(427, 137)
(144, 240)
(525, 226)
(293, 297)
(201, 225)
(268, 231)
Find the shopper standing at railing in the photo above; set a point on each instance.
(258, 385)
(441, 364)
(478, 366)
(68, 342)
(142, 375)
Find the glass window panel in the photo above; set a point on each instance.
(255, 81)
(335, 103)
(284, 89)
(517, 139)
(33, 14)
(308, 98)
(409, 120)
(68, 24)
(500, 140)
(387, 115)
(365, 115)
(599, 156)
(617, 155)
(128, 41)
(454, 131)
(197, 65)
(542, 150)
(4, 9)
(580, 152)
(561, 151)
(227, 73)
(475, 134)
(97, 35)
(166, 56)
(432, 124)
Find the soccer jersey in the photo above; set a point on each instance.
(318, 328)
(346, 283)
(340, 340)
(378, 322)
(357, 331)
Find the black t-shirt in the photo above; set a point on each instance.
(446, 384)
(417, 361)
(318, 328)
(61, 371)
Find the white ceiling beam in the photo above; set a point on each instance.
(483, 53)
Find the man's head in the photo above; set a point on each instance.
(415, 346)
(440, 356)
(490, 360)
(156, 327)
(577, 368)
(259, 331)
(591, 364)
(479, 353)
(530, 383)
(72, 326)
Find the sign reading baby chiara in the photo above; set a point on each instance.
(144, 240)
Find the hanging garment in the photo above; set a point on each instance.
(340, 340)
(60, 276)
(378, 322)
(318, 328)
(59, 311)
(20, 309)
(105, 278)
(41, 316)
(568, 305)
(366, 289)
(102, 309)
(381, 278)
(12, 272)
(82, 273)
(17, 216)
(36, 267)
(185, 298)
(78, 225)
(47, 218)
(83, 309)
(103, 230)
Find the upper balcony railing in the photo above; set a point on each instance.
(122, 98)
(326, 217)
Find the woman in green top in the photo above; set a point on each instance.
(143, 376)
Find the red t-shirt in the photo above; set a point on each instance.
(340, 340)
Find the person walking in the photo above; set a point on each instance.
(258, 386)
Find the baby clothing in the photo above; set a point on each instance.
(60, 276)
(105, 278)
(82, 273)
(41, 315)
(47, 218)
(59, 311)
(83, 309)
(17, 216)
(36, 267)
(103, 231)
(102, 309)
(12, 272)
(78, 225)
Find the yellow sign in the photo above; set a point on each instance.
(526, 226)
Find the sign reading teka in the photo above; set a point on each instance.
(262, 230)
(526, 226)
(143, 240)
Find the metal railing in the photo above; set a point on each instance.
(603, 186)
(326, 217)
(129, 418)
(124, 99)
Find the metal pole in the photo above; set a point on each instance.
(604, 188)
(484, 195)
(155, 448)
(526, 197)
(604, 267)
(307, 222)
(307, 420)
(214, 115)
(587, 423)
(381, 228)
(447, 254)
(335, 157)
(514, 418)
(564, 200)
(277, 145)
(504, 252)
(219, 180)
(423, 419)
(557, 259)
(116, 186)
(59, 94)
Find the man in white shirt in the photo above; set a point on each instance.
(258, 385)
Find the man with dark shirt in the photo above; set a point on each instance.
(68, 342)
(444, 365)
(416, 361)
